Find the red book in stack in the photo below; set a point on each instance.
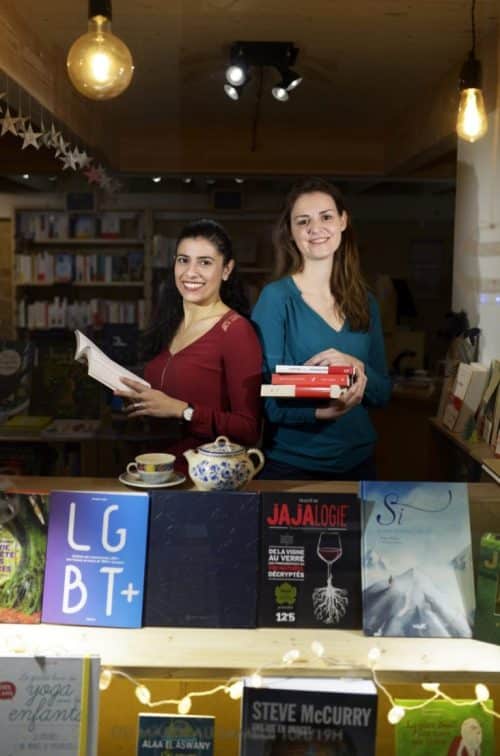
(309, 381)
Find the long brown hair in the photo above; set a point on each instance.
(347, 283)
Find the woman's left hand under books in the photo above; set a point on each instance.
(142, 401)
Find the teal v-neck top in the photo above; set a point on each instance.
(291, 332)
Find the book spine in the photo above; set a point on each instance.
(317, 369)
(301, 392)
(278, 379)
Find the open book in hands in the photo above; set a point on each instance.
(101, 367)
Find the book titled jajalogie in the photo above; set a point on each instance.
(96, 553)
(417, 574)
(310, 557)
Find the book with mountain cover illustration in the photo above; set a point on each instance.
(417, 575)
(309, 717)
(443, 729)
(174, 734)
(310, 557)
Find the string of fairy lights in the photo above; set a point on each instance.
(233, 687)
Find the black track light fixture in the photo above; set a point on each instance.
(245, 55)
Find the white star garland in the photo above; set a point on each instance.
(30, 138)
(9, 123)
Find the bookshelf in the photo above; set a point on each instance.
(93, 267)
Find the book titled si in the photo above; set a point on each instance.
(417, 560)
(96, 553)
(310, 560)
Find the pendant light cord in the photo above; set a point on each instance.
(473, 26)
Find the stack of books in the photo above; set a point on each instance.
(309, 381)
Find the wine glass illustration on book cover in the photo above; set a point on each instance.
(329, 603)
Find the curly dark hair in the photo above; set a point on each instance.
(169, 312)
(347, 283)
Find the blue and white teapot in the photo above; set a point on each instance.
(222, 465)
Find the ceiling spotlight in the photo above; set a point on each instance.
(156, 179)
(187, 179)
(99, 64)
(210, 181)
(244, 55)
(239, 180)
(52, 178)
(26, 176)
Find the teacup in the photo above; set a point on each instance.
(152, 468)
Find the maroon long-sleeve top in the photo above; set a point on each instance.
(219, 375)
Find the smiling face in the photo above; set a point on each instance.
(316, 225)
(199, 271)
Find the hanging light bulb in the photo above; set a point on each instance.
(472, 121)
(99, 64)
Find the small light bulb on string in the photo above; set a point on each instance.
(431, 687)
(235, 691)
(482, 692)
(184, 705)
(318, 649)
(143, 694)
(373, 655)
(255, 680)
(395, 715)
(105, 679)
(290, 656)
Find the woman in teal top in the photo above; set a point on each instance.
(319, 312)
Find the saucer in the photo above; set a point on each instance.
(175, 480)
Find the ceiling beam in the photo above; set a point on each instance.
(40, 69)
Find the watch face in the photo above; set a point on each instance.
(188, 414)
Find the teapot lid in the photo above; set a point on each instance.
(222, 446)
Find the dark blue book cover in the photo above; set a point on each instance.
(417, 573)
(96, 551)
(310, 560)
(175, 734)
(309, 717)
(202, 559)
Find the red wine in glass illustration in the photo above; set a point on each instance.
(329, 603)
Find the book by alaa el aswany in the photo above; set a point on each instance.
(443, 729)
(296, 716)
(175, 734)
(417, 575)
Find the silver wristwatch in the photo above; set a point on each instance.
(187, 414)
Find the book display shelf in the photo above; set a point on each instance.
(174, 662)
(79, 268)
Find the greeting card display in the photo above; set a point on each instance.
(309, 717)
(49, 705)
(310, 560)
(96, 555)
(417, 560)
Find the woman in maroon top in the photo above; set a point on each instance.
(207, 365)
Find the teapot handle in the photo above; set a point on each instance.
(261, 459)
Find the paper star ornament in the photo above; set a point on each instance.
(9, 123)
(31, 138)
(61, 146)
(94, 175)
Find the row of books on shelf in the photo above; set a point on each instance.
(92, 267)
(470, 403)
(309, 381)
(397, 561)
(60, 225)
(51, 704)
(60, 312)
